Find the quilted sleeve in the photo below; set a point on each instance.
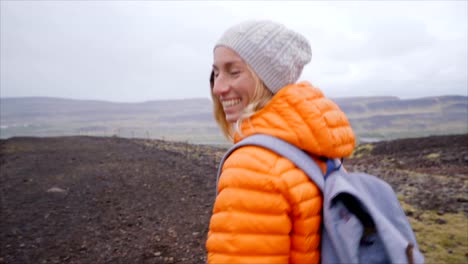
(267, 211)
(251, 220)
(306, 204)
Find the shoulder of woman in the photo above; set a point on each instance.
(258, 159)
(253, 167)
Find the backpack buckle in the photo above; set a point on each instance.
(332, 166)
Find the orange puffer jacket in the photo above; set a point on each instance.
(267, 210)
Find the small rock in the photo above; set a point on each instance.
(441, 221)
(195, 233)
(56, 190)
(418, 217)
(172, 232)
(157, 254)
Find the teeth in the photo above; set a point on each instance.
(229, 103)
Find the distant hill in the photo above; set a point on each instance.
(391, 117)
(373, 118)
(183, 120)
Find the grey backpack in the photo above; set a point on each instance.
(363, 221)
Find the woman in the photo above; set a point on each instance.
(267, 210)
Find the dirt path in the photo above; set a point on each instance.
(122, 201)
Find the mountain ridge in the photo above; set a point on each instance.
(375, 118)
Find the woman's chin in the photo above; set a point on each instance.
(232, 118)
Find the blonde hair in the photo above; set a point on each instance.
(260, 98)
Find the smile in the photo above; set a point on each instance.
(229, 103)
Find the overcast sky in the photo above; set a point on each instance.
(150, 50)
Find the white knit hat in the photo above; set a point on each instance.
(276, 53)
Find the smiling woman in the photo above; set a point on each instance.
(267, 210)
(234, 83)
(238, 93)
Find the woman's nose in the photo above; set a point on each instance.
(220, 86)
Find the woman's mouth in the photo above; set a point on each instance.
(230, 103)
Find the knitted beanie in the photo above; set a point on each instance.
(276, 53)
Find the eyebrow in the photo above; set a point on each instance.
(227, 65)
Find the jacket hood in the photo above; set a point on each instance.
(301, 115)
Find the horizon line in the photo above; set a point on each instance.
(205, 98)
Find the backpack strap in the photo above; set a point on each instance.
(283, 148)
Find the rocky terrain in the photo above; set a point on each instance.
(114, 200)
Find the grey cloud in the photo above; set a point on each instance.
(145, 50)
(98, 50)
(382, 40)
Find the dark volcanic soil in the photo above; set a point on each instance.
(113, 200)
(123, 201)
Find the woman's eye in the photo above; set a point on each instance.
(235, 72)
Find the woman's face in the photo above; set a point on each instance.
(234, 85)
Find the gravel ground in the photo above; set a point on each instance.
(114, 200)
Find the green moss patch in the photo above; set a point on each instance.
(443, 238)
(362, 150)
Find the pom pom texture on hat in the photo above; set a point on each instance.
(276, 53)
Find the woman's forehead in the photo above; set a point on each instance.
(224, 56)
